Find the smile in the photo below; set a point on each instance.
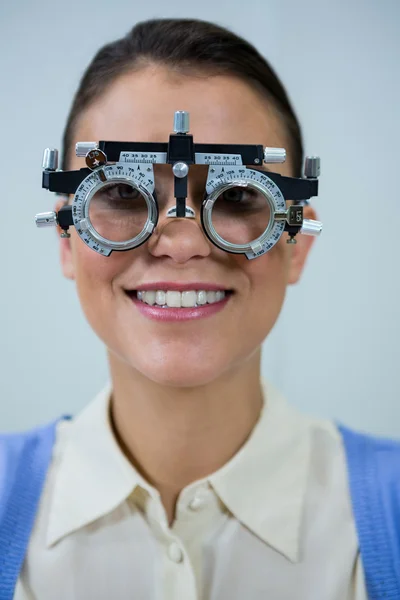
(175, 299)
(173, 305)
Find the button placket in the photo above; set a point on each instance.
(179, 578)
(175, 553)
(200, 498)
(196, 503)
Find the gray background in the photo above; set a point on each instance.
(334, 351)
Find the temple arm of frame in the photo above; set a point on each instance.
(295, 188)
(64, 182)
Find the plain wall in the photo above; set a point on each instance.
(334, 351)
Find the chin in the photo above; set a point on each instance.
(181, 373)
(181, 363)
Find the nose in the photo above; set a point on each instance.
(179, 238)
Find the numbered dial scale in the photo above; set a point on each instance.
(244, 211)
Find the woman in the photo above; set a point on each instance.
(188, 477)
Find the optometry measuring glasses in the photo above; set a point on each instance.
(245, 209)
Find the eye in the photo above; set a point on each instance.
(236, 194)
(121, 191)
(241, 199)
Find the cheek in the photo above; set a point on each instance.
(269, 273)
(95, 274)
(268, 279)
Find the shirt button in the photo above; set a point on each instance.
(175, 553)
(197, 503)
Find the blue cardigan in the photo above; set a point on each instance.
(374, 479)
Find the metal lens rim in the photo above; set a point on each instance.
(148, 227)
(208, 206)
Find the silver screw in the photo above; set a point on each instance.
(181, 121)
(256, 160)
(180, 169)
(50, 159)
(312, 167)
(274, 155)
(82, 148)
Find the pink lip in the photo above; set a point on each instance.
(179, 314)
(180, 287)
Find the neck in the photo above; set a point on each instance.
(175, 436)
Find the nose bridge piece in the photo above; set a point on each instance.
(189, 213)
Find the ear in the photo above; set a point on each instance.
(66, 255)
(301, 249)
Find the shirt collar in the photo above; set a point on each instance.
(263, 485)
(93, 475)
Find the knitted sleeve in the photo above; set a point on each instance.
(374, 480)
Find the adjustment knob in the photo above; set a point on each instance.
(274, 155)
(46, 219)
(180, 169)
(312, 167)
(82, 148)
(50, 159)
(181, 121)
(311, 227)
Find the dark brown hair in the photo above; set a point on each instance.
(190, 46)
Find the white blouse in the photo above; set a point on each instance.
(274, 522)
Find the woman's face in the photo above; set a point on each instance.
(140, 107)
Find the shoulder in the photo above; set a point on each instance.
(373, 464)
(14, 441)
(28, 450)
(371, 455)
(360, 450)
(375, 443)
(368, 459)
(25, 457)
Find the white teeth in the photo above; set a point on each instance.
(160, 298)
(189, 299)
(211, 297)
(201, 297)
(150, 298)
(174, 299)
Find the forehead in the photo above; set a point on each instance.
(139, 106)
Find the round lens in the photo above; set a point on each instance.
(240, 214)
(118, 211)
